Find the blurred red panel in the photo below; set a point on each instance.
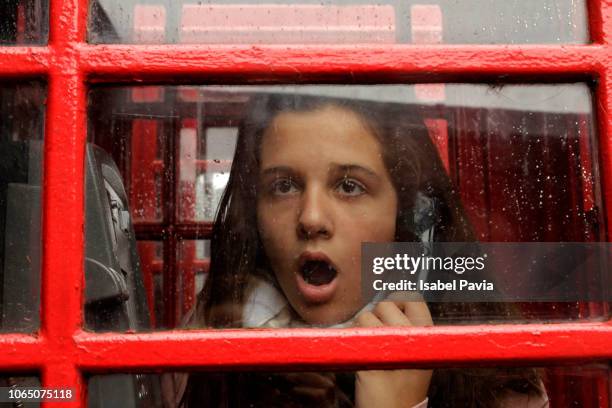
(426, 23)
(144, 166)
(149, 24)
(438, 131)
(147, 94)
(279, 23)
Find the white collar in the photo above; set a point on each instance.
(266, 306)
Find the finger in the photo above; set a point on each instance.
(391, 315)
(368, 319)
(413, 306)
(418, 313)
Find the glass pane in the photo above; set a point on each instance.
(585, 385)
(465, 163)
(21, 170)
(338, 22)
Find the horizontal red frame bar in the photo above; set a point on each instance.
(24, 61)
(422, 63)
(22, 352)
(426, 63)
(345, 348)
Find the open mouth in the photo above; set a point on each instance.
(318, 272)
(317, 277)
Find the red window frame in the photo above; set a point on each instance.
(62, 351)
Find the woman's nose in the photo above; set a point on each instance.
(314, 220)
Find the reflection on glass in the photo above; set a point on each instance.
(339, 22)
(193, 264)
(583, 385)
(24, 22)
(206, 175)
(308, 173)
(152, 264)
(21, 158)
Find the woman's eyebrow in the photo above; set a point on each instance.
(276, 170)
(348, 168)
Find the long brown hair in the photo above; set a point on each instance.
(414, 166)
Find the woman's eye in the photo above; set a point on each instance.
(350, 187)
(283, 186)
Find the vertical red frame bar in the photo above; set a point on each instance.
(170, 237)
(145, 166)
(63, 203)
(185, 208)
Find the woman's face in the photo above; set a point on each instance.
(323, 190)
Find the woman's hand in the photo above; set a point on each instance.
(393, 388)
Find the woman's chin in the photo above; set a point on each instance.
(324, 315)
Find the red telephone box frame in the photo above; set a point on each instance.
(62, 351)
